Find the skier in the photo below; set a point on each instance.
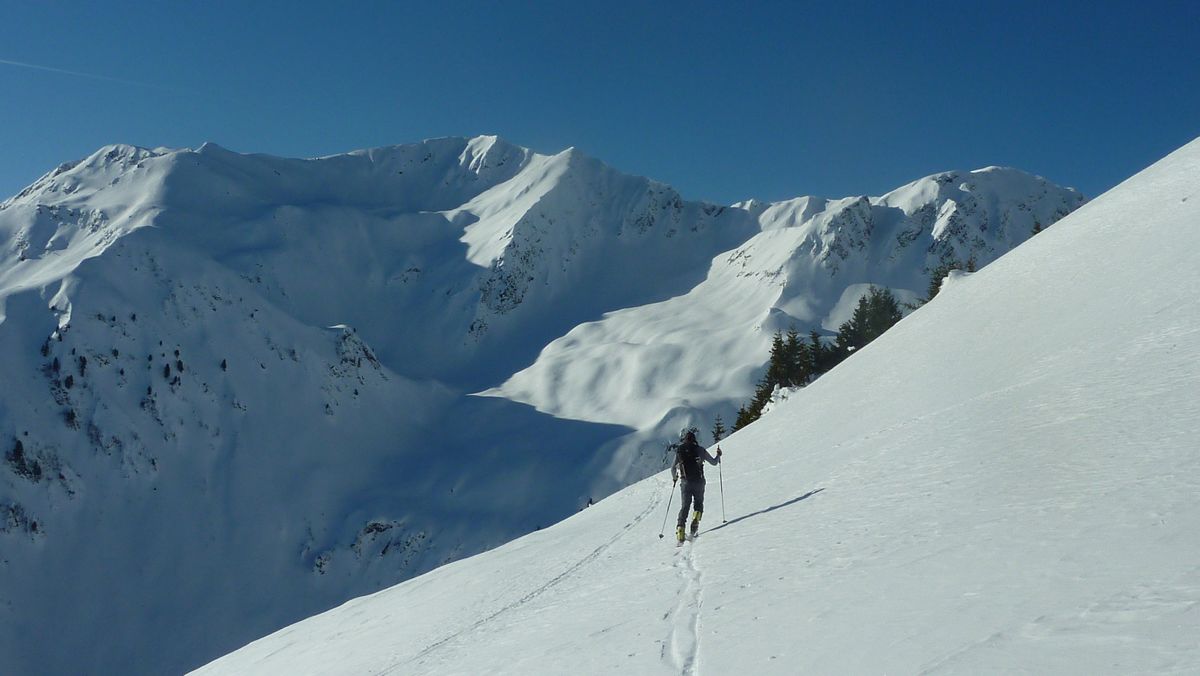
(688, 456)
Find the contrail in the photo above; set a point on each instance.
(76, 73)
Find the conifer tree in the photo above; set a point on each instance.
(718, 430)
(938, 275)
(884, 312)
(777, 364)
(876, 312)
(762, 395)
(743, 418)
(818, 354)
(852, 334)
(797, 371)
(794, 362)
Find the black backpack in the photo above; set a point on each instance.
(688, 457)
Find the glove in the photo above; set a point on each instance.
(718, 452)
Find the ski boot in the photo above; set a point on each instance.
(679, 536)
(695, 523)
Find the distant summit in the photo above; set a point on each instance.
(805, 267)
(1004, 482)
(194, 458)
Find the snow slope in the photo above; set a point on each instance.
(662, 366)
(219, 362)
(237, 389)
(1004, 482)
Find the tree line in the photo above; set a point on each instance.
(797, 361)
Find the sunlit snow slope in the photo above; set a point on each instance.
(238, 390)
(1005, 482)
(661, 366)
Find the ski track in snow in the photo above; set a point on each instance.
(553, 582)
(684, 639)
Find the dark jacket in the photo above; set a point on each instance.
(688, 456)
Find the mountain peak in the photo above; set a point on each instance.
(213, 148)
(1031, 451)
(164, 351)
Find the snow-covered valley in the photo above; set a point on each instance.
(237, 389)
(1005, 482)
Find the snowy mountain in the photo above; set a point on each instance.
(238, 388)
(1005, 482)
(651, 367)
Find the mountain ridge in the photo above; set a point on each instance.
(1003, 482)
(176, 402)
(805, 268)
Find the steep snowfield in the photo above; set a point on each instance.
(1005, 482)
(237, 389)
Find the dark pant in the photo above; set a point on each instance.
(693, 494)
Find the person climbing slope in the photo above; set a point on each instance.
(688, 466)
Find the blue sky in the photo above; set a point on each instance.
(724, 101)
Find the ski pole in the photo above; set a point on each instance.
(721, 478)
(664, 526)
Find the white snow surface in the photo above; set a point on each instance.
(655, 366)
(237, 390)
(1005, 482)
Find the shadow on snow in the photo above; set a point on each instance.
(768, 509)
